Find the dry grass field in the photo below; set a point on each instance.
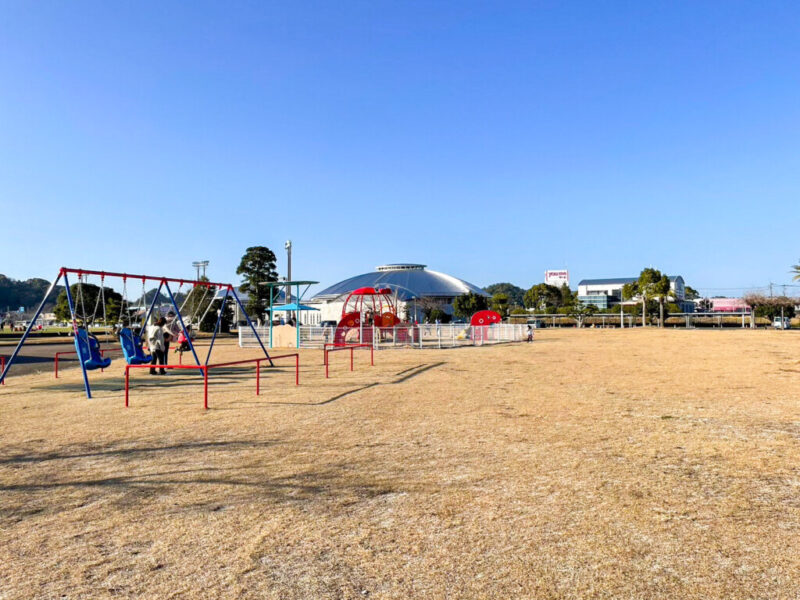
(590, 464)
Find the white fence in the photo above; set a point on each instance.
(403, 336)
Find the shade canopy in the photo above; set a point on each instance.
(292, 306)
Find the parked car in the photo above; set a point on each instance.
(776, 323)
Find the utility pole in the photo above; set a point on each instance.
(770, 289)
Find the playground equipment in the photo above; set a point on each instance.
(132, 348)
(90, 355)
(291, 307)
(328, 348)
(485, 317)
(367, 307)
(206, 368)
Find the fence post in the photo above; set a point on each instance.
(351, 357)
(326, 363)
(205, 387)
(57, 353)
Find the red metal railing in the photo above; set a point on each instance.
(206, 368)
(102, 353)
(326, 348)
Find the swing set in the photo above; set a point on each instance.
(87, 346)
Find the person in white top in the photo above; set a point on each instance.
(155, 340)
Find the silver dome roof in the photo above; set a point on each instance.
(407, 280)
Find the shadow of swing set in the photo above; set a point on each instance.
(88, 348)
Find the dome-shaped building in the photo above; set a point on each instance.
(411, 285)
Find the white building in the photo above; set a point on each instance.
(557, 278)
(605, 293)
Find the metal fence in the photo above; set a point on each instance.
(687, 320)
(450, 335)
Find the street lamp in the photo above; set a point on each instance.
(200, 264)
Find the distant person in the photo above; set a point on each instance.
(155, 340)
(530, 334)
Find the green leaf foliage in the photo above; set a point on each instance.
(515, 294)
(466, 305)
(256, 267)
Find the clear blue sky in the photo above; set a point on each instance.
(488, 140)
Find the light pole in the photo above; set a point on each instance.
(200, 264)
(288, 246)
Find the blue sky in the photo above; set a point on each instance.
(488, 140)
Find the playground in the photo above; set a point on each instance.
(591, 463)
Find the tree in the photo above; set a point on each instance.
(661, 291)
(796, 271)
(87, 304)
(568, 297)
(690, 293)
(437, 314)
(466, 305)
(770, 307)
(543, 297)
(651, 285)
(499, 303)
(515, 294)
(257, 267)
(429, 306)
(14, 294)
(209, 322)
(579, 311)
(197, 303)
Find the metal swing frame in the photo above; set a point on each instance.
(163, 283)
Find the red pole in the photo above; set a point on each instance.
(351, 358)
(57, 365)
(127, 378)
(258, 377)
(372, 355)
(205, 388)
(326, 364)
(297, 369)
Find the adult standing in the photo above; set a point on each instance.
(172, 330)
(155, 339)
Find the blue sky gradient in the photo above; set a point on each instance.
(488, 140)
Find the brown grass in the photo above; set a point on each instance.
(591, 464)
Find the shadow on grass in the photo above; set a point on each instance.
(406, 375)
(131, 452)
(208, 488)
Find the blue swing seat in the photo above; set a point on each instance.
(132, 348)
(89, 351)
